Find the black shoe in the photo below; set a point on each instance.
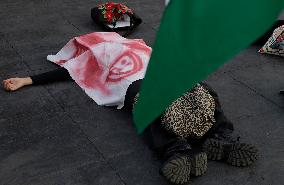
(230, 150)
(182, 162)
(179, 168)
(198, 162)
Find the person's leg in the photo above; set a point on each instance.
(13, 84)
(180, 160)
(221, 144)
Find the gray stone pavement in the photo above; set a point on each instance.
(55, 135)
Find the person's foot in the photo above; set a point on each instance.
(180, 167)
(232, 151)
(198, 162)
(181, 161)
(13, 84)
(177, 169)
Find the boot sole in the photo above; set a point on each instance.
(236, 154)
(178, 169)
(214, 149)
(242, 154)
(198, 164)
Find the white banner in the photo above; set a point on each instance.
(104, 64)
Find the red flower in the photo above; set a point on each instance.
(117, 15)
(119, 6)
(110, 5)
(114, 11)
(109, 15)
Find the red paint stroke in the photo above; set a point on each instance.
(139, 46)
(79, 50)
(82, 44)
(92, 75)
(90, 39)
(117, 72)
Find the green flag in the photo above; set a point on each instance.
(195, 38)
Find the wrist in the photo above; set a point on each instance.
(28, 81)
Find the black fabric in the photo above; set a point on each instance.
(135, 21)
(222, 122)
(56, 75)
(132, 90)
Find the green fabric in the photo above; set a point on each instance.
(195, 38)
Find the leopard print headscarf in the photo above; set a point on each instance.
(191, 115)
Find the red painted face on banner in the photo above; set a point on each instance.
(123, 66)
